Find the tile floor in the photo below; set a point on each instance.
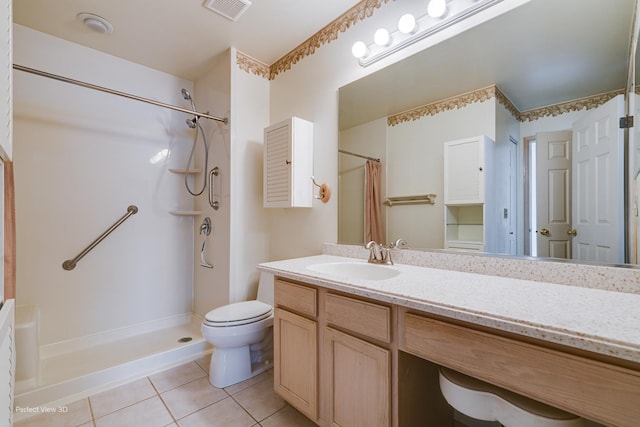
(181, 396)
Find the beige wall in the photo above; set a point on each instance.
(212, 93)
(249, 220)
(416, 166)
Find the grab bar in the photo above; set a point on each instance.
(214, 204)
(411, 200)
(70, 264)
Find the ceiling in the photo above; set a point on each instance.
(542, 53)
(181, 37)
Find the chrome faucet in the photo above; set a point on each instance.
(375, 252)
(398, 243)
(380, 254)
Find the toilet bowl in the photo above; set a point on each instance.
(242, 337)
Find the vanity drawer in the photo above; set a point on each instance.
(597, 390)
(299, 298)
(362, 317)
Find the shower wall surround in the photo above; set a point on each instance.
(240, 235)
(81, 157)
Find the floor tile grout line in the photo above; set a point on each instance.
(180, 385)
(244, 409)
(175, 421)
(124, 407)
(93, 417)
(199, 409)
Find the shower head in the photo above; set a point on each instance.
(187, 95)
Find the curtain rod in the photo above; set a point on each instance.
(359, 155)
(224, 120)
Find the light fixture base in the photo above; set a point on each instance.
(95, 22)
(426, 28)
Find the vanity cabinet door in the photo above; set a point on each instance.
(356, 378)
(295, 372)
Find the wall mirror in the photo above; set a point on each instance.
(517, 79)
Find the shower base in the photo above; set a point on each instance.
(84, 370)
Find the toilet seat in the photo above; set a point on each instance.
(240, 313)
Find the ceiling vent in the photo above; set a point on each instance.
(230, 9)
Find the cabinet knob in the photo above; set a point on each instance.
(480, 168)
(288, 162)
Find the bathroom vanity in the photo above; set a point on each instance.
(341, 332)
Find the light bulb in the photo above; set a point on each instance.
(382, 37)
(437, 8)
(359, 49)
(407, 24)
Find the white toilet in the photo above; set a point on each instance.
(242, 337)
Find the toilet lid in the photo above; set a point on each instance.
(238, 313)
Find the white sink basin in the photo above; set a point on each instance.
(356, 270)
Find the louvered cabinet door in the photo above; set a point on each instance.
(288, 164)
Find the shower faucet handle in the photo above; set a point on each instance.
(398, 244)
(205, 227)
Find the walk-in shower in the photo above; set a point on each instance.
(194, 123)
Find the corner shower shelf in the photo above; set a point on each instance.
(186, 213)
(189, 171)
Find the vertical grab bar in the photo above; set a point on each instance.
(214, 204)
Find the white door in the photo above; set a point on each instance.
(598, 215)
(553, 183)
(634, 168)
(510, 214)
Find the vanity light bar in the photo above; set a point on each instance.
(458, 11)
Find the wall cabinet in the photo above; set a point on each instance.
(352, 338)
(470, 213)
(465, 170)
(288, 164)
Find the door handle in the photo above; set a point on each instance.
(573, 232)
(544, 232)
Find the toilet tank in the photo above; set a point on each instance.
(265, 288)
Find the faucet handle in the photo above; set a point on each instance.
(398, 243)
(373, 246)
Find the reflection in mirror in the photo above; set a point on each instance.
(524, 109)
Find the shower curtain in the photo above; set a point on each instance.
(373, 221)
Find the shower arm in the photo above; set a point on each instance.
(224, 120)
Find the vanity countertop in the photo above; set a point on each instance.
(600, 321)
